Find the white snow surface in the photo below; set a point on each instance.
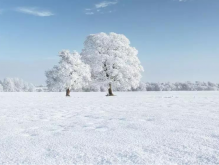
(148, 128)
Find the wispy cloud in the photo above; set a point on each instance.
(89, 13)
(1, 11)
(105, 4)
(34, 11)
(100, 7)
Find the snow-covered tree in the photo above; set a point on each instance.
(141, 87)
(212, 86)
(8, 85)
(112, 60)
(153, 87)
(168, 87)
(17, 85)
(1, 88)
(70, 74)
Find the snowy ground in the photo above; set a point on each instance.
(88, 128)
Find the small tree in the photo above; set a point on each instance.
(71, 73)
(112, 60)
(8, 85)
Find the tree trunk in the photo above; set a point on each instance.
(110, 92)
(68, 92)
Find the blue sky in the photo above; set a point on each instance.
(178, 40)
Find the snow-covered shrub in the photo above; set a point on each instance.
(71, 73)
(112, 61)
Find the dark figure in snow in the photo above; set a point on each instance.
(110, 92)
(68, 92)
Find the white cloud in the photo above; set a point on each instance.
(105, 4)
(89, 13)
(34, 11)
(99, 8)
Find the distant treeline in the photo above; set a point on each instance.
(16, 85)
(178, 86)
(167, 86)
(19, 85)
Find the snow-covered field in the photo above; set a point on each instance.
(88, 128)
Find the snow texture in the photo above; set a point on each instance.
(88, 128)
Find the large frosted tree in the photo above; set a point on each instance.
(112, 60)
(70, 74)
